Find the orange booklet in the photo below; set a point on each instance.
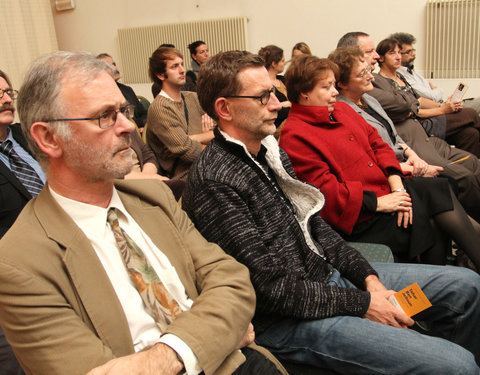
(411, 300)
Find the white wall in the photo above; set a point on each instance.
(93, 24)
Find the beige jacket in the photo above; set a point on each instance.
(61, 314)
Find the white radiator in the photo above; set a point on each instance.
(138, 43)
(453, 39)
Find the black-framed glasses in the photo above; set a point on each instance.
(11, 93)
(106, 119)
(408, 51)
(264, 97)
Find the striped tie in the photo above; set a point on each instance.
(160, 304)
(22, 170)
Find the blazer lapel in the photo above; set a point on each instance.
(88, 276)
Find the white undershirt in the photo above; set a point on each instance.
(92, 220)
(163, 93)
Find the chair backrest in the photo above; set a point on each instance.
(374, 252)
(144, 101)
(144, 134)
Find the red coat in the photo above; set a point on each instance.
(341, 158)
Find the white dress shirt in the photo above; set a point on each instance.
(92, 220)
(421, 85)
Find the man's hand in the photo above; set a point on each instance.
(248, 338)
(373, 284)
(419, 165)
(433, 171)
(158, 360)
(382, 311)
(449, 107)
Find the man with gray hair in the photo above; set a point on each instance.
(420, 84)
(363, 40)
(104, 276)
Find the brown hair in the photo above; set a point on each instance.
(386, 45)
(158, 62)
(218, 77)
(304, 73)
(345, 58)
(270, 54)
(303, 48)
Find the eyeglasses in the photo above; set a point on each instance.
(264, 97)
(11, 93)
(106, 119)
(366, 71)
(408, 51)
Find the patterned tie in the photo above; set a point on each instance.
(160, 304)
(22, 170)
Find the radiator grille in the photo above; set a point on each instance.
(138, 43)
(453, 39)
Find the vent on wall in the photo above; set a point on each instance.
(137, 44)
(62, 5)
(453, 39)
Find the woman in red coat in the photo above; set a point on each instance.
(367, 197)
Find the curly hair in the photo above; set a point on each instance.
(345, 58)
(403, 38)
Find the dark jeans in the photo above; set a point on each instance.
(352, 345)
(256, 363)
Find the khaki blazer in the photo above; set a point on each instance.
(61, 314)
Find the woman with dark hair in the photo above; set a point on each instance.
(301, 48)
(450, 121)
(275, 64)
(367, 197)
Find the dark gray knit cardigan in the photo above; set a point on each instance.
(290, 252)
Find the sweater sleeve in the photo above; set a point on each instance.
(222, 216)
(340, 254)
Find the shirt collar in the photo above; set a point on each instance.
(9, 136)
(315, 114)
(87, 215)
(164, 94)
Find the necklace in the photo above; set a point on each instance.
(394, 77)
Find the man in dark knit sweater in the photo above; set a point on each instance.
(319, 301)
